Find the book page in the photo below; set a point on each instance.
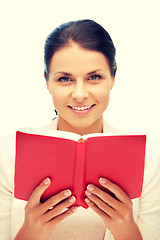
(70, 135)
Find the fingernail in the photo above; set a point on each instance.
(72, 199)
(74, 209)
(102, 180)
(88, 193)
(87, 200)
(67, 192)
(46, 181)
(90, 187)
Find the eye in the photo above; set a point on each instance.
(95, 77)
(64, 79)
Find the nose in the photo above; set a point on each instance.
(80, 92)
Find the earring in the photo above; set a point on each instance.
(56, 114)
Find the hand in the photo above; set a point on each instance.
(117, 214)
(41, 218)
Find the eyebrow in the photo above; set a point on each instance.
(69, 74)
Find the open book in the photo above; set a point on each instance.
(75, 161)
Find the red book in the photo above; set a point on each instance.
(74, 163)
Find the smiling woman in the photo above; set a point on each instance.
(80, 71)
(80, 68)
(80, 93)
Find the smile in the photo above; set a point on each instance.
(82, 108)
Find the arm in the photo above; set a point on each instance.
(149, 205)
(6, 188)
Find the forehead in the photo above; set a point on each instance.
(77, 59)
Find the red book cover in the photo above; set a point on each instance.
(74, 164)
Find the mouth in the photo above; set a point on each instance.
(81, 108)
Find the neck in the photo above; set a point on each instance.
(95, 127)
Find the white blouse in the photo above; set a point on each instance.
(84, 223)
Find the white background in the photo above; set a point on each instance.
(135, 29)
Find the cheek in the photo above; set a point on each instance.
(103, 95)
(59, 96)
(105, 100)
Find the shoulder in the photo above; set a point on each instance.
(152, 149)
(7, 143)
(7, 153)
(152, 163)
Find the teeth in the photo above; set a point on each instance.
(81, 108)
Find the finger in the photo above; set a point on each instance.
(102, 205)
(62, 216)
(37, 193)
(58, 209)
(97, 210)
(52, 201)
(119, 193)
(107, 198)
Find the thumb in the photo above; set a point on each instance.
(35, 197)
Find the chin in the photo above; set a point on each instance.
(82, 124)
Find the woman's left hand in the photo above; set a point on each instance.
(117, 214)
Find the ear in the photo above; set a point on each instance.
(112, 82)
(48, 85)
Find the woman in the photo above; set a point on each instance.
(80, 70)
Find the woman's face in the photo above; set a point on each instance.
(79, 82)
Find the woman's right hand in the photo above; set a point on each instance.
(41, 218)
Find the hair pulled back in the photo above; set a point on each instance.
(88, 34)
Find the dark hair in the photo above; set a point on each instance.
(88, 34)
